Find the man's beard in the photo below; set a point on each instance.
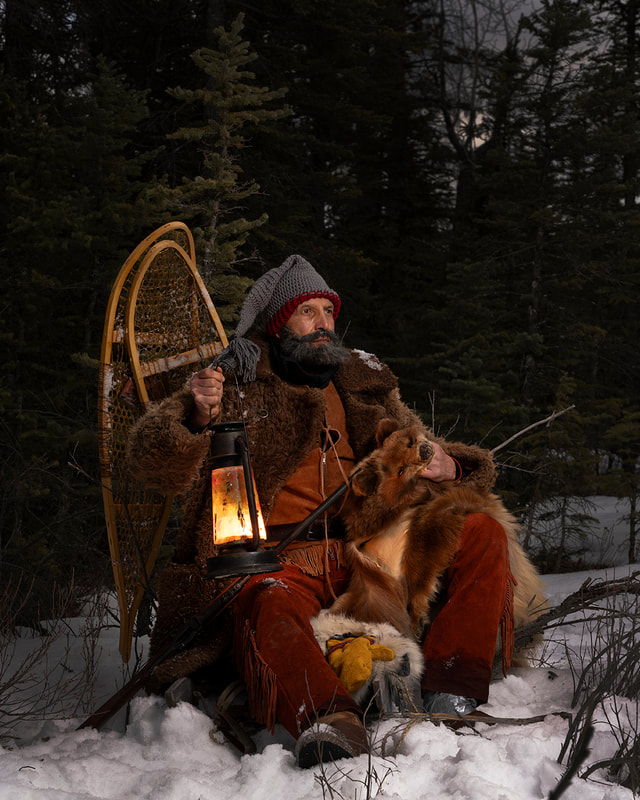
(302, 350)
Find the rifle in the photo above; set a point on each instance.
(197, 623)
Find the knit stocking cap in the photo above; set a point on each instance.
(276, 295)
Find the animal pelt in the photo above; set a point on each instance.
(404, 530)
(399, 677)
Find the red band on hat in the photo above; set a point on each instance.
(282, 316)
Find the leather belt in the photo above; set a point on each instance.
(313, 533)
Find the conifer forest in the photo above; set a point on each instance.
(465, 173)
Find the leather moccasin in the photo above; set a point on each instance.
(331, 737)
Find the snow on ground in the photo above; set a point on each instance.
(169, 754)
(598, 527)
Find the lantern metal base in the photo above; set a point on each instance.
(242, 562)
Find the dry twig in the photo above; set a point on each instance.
(548, 420)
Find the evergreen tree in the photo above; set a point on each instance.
(350, 181)
(499, 356)
(621, 443)
(41, 45)
(74, 204)
(150, 42)
(224, 111)
(605, 214)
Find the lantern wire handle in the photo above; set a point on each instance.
(242, 444)
(243, 447)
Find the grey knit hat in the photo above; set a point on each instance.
(275, 295)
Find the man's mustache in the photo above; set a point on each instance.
(319, 334)
(303, 349)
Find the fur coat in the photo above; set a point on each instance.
(283, 423)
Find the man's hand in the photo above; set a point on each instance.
(441, 467)
(206, 388)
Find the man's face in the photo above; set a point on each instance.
(311, 316)
(309, 336)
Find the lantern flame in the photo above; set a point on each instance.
(230, 508)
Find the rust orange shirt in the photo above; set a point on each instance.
(320, 473)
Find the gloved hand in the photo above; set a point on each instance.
(352, 659)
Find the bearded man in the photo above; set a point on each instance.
(311, 408)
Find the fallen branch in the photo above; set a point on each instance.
(586, 597)
(470, 720)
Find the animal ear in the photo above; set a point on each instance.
(385, 428)
(365, 482)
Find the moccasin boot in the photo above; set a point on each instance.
(453, 704)
(445, 703)
(334, 736)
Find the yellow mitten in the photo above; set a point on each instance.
(352, 659)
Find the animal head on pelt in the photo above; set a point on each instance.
(395, 548)
(389, 479)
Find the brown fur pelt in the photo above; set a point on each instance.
(403, 532)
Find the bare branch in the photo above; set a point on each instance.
(548, 420)
(587, 596)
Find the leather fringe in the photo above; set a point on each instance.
(507, 627)
(311, 558)
(260, 680)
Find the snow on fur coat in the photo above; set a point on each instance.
(283, 423)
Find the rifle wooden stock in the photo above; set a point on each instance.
(195, 625)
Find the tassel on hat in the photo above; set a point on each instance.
(276, 294)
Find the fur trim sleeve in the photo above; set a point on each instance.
(474, 460)
(163, 454)
(397, 409)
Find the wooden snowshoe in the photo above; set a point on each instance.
(160, 327)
